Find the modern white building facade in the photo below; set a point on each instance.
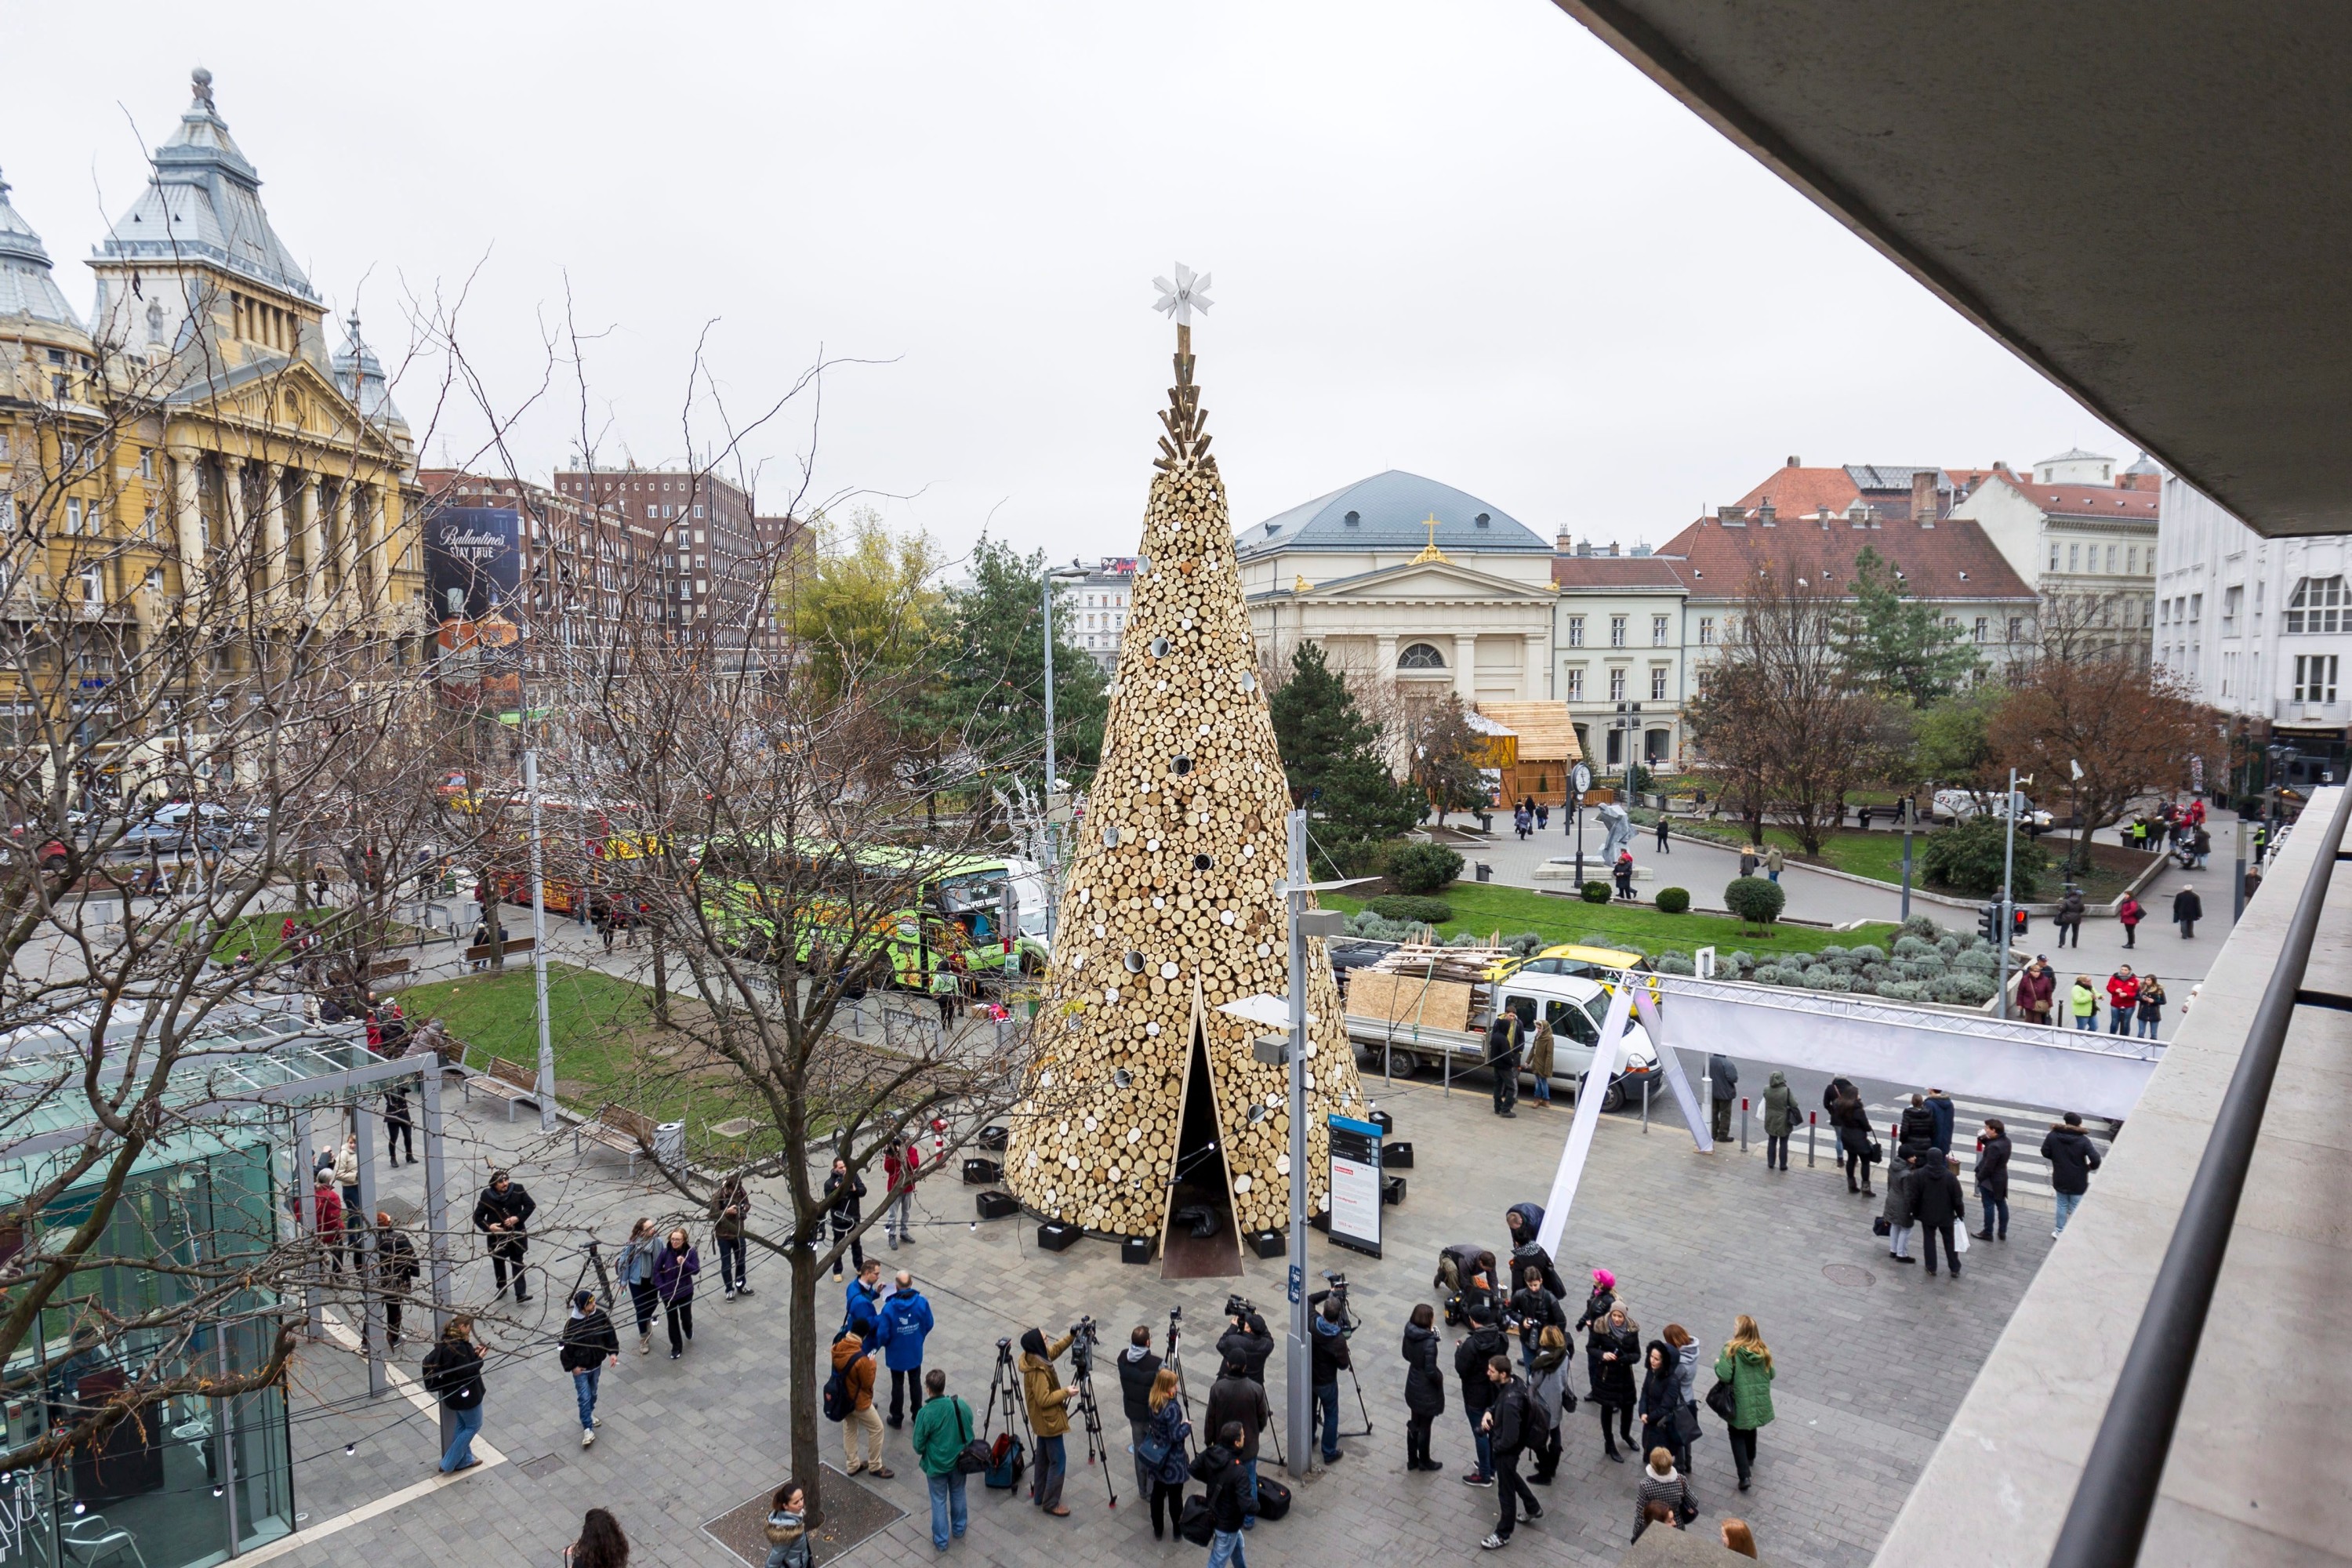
(2084, 535)
(1097, 608)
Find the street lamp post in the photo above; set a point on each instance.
(1046, 837)
(2008, 899)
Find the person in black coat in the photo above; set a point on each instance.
(842, 1192)
(1219, 1468)
(1937, 1202)
(588, 1346)
(2187, 908)
(1526, 1224)
(1993, 1177)
(2072, 1159)
(1481, 1345)
(1248, 1341)
(1326, 1344)
(1503, 1061)
(1137, 1368)
(1234, 1398)
(1847, 1113)
(1513, 1425)
(502, 1214)
(1915, 1134)
(1534, 1308)
(1424, 1387)
(1611, 1352)
(1662, 1397)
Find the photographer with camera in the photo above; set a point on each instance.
(1235, 1401)
(1535, 1308)
(1249, 1341)
(1328, 1349)
(1137, 1369)
(1049, 1416)
(1472, 1355)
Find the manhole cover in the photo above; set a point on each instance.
(538, 1469)
(1847, 1274)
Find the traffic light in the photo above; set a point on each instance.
(2017, 925)
(1988, 923)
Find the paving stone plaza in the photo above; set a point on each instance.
(1872, 1361)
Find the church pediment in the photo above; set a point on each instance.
(290, 399)
(1421, 580)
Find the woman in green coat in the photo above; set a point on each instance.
(1781, 1120)
(1746, 1364)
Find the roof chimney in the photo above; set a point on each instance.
(1585, 548)
(1795, 461)
(1563, 545)
(1764, 513)
(1613, 547)
(1923, 496)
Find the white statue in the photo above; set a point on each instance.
(1620, 830)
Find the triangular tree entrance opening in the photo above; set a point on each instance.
(1201, 1192)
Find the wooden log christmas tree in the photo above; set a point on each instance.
(1171, 907)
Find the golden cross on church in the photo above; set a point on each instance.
(1429, 551)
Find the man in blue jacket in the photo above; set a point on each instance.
(905, 1321)
(864, 1298)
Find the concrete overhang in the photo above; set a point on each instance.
(2150, 202)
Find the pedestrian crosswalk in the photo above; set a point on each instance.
(2029, 1173)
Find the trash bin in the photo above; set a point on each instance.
(1485, 872)
(669, 1144)
(1486, 822)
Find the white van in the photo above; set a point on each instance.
(1575, 1007)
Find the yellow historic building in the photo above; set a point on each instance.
(197, 455)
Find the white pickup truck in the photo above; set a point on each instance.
(1577, 1008)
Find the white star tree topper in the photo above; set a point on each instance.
(1181, 298)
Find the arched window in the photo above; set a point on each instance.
(1423, 656)
(2317, 605)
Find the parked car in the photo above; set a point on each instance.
(1960, 804)
(49, 853)
(184, 824)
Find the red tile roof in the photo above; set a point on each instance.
(1614, 571)
(1795, 492)
(2087, 500)
(1715, 560)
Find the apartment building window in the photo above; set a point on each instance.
(2073, 558)
(1657, 683)
(1576, 631)
(73, 514)
(1575, 684)
(1616, 631)
(2197, 606)
(2232, 600)
(1984, 624)
(698, 509)
(1657, 631)
(2229, 668)
(146, 462)
(2317, 605)
(150, 523)
(2053, 555)
(2315, 677)
(1951, 623)
(1616, 686)
(1707, 631)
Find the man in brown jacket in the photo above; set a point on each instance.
(855, 1363)
(1049, 1416)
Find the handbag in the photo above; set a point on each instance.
(1686, 1505)
(1685, 1424)
(1879, 1226)
(1721, 1400)
(976, 1456)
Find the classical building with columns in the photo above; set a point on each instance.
(200, 448)
(1399, 577)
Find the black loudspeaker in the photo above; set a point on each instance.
(1383, 1120)
(1391, 1189)
(1056, 1236)
(1396, 1156)
(995, 1137)
(1269, 1243)
(979, 1172)
(998, 1205)
(1135, 1249)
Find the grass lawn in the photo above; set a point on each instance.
(1484, 908)
(257, 932)
(607, 1046)
(1879, 856)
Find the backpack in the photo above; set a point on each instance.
(1539, 1420)
(838, 1400)
(1005, 1463)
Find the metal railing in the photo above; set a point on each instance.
(2108, 1520)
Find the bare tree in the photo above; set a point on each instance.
(2105, 729)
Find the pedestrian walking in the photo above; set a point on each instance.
(2072, 1158)
(842, 1191)
(396, 1273)
(675, 1269)
(1523, 822)
(2130, 913)
(1750, 858)
(347, 1172)
(1514, 1424)
(1902, 1183)
(1503, 1061)
(2083, 1005)
(1471, 1353)
(1326, 1343)
(864, 1297)
(1540, 1047)
(1611, 1352)
(1663, 1497)
(1137, 1369)
(1992, 1179)
(1774, 860)
(2122, 999)
(1218, 1470)
(1625, 870)
(943, 1432)
(1687, 1428)
(2151, 1006)
(1664, 848)
(2037, 990)
(729, 1207)
(861, 1424)
(1424, 1387)
(1723, 1089)
(901, 1162)
(1746, 1364)
(2069, 918)
(1548, 1386)
(586, 1347)
(1856, 1148)
(2187, 908)
(1049, 1418)
(453, 1374)
(502, 1214)
(639, 1255)
(787, 1529)
(399, 1124)
(1236, 1396)
(600, 1544)
(1938, 1203)
(904, 1325)
(1780, 1120)
(1168, 1442)
(1543, 816)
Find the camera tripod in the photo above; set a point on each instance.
(1348, 1326)
(1082, 1371)
(1175, 1357)
(1005, 1384)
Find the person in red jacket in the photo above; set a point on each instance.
(900, 1163)
(2122, 999)
(2037, 987)
(2130, 913)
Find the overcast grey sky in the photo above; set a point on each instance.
(1463, 239)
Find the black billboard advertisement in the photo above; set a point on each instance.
(472, 559)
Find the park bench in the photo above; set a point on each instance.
(503, 1079)
(617, 1128)
(385, 968)
(483, 951)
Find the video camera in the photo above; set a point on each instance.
(1083, 1336)
(1336, 1289)
(1240, 1307)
